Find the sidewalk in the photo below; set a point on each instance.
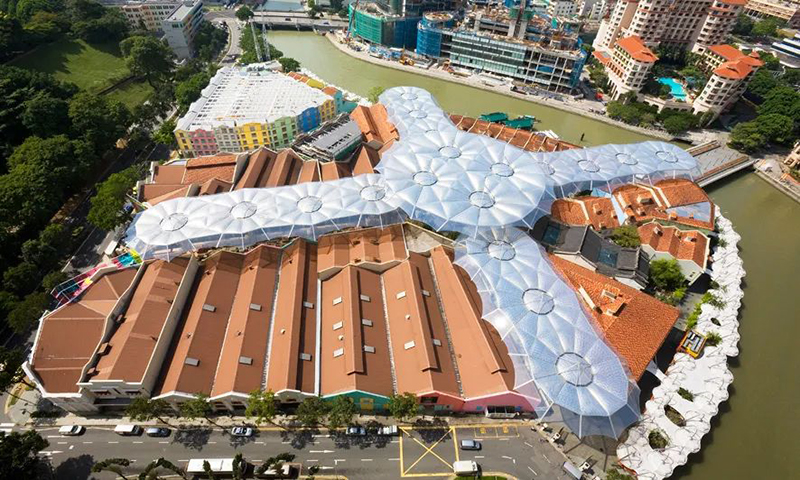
(578, 107)
(771, 170)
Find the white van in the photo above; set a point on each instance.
(128, 430)
(465, 467)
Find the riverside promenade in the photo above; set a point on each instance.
(578, 107)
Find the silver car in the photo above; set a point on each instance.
(242, 432)
(470, 445)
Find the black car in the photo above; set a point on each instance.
(157, 432)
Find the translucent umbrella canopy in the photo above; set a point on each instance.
(549, 334)
(482, 188)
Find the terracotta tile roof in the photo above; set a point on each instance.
(595, 211)
(330, 91)
(642, 203)
(202, 169)
(634, 323)
(736, 70)
(244, 349)
(286, 170)
(374, 249)
(415, 321)
(731, 53)
(365, 160)
(132, 344)
(294, 321)
(310, 172)
(154, 194)
(483, 359)
(69, 336)
(374, 123)
(259, 167)
(199, 339)
(530, 141)
(681, 244)
(602, 57)
(637, 49)
(168, 174)
(354, 353)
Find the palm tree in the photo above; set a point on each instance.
(112, 465)
(151, 470)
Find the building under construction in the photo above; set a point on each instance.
(513, 42)
(393, 24)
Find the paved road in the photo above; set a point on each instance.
(425, 452)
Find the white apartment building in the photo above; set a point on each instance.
(627, 66)
(691, 24)
(562, 8)
(148, 13)
(181, 27)
(788, 11)
(731, 71)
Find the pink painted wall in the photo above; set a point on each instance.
(501, 399)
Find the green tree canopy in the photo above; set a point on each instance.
(289, 64)
(107, 205)
(144, 409)
(341, 413)
(101, 122)
(197, 407)
(375, 93)
(666, 274)
(114, 465)
(11, 373)
(747, 137)
(762, 83)
(112, 26)
(46, 115)
(679, 122)
(776, 128)
(165, 134)
(767, 27)
(147, 57)
(27, 312)
(261, 405)
(45, 250)
(783, 100)
(189, 90)
(403, 406)
(311, 411)
(244, 13)
(744, 25)
(19, 454)
(626, 236)
(22, 278)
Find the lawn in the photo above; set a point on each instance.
(90, 67)
(131, 94)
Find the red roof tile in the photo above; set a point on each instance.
(637, 49)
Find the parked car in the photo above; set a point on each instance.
(356, 431)
(470, 445)
(71, 430)
(242, 432)
(388, 430)
(157, 432)
(128, 430)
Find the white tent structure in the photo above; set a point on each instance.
(706, 378)
(481, 188)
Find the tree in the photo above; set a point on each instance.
(762, 83)
(165, 134)
(31, 193)
(144, 409)
(679, 122)
(342, 411)
(311, 411)
(19, 454)
(747, 137)
(22, 278)
(107, 210)
(261, 405)
(614, 474)
(403, 406)
(45, 27)
(237, 466)
(743, 26)
(44, 114)
(114, 465)
(55, 153)
(275, 463)
(289, 64)
(783, 100)
(776, 128)
(197, 407)
(147, 57)
(209, 41)
(767, 27)
(626, 236)
(11, 373)
(771, 62)
(375, 93)
(189, 90)
(208, 471)
(26, 9)
(150, 471)
(666, 274)
(99, 121)
(244, 13)
(112, 26)
(27, 312)
(45, 250)
(54, 279)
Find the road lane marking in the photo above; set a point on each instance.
(528, 444)
(113, 442)
(534, 471)
(503, 439)
(212, 443)
(259, 443)
(395, 441)
(394, 459)
(509, 458)
(87, 443)
(283, 442)
(321, 451)
(138, 442)
(548, 460)
(62, 443)
(312, 461)
(71, 447)
(478, 456)
(163, 442)
(366, 459)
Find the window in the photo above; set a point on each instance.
(428, 399)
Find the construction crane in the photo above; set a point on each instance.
(255, 42)
(350, 23)
(267, 57)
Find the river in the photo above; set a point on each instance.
(754, 436)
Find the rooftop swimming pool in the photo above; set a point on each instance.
(676, 89)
